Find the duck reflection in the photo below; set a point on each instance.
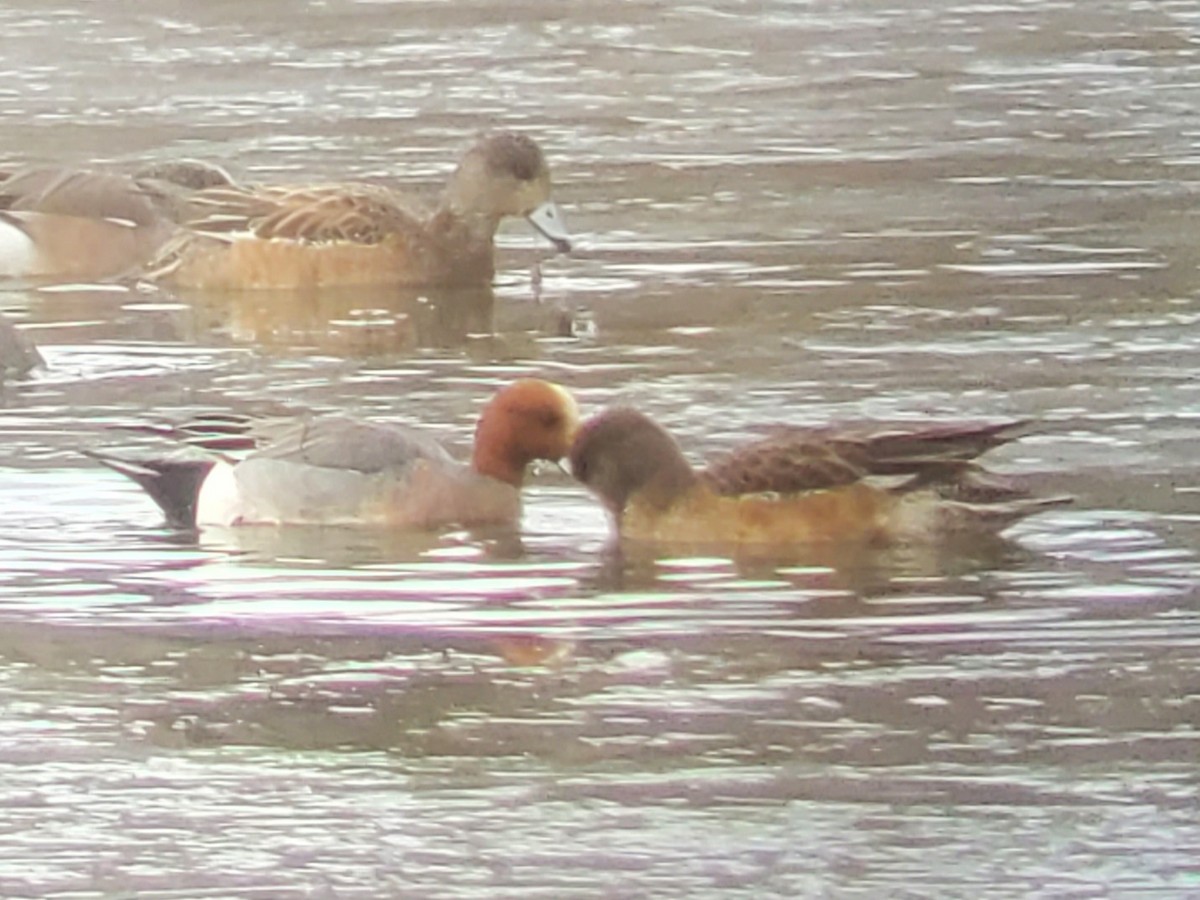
(351, 322)
(347, 547)
(401, 691)
(860, 570)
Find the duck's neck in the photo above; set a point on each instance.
(451, 218)
(496, 454)
(465, 243)
(659, 479)
(460, 203)
(673, 478)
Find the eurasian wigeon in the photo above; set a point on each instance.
(867, 484)
(336, 470)
(360, 234)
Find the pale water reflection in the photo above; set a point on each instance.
(841, 211)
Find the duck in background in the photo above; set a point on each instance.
(336, 470)
(18, 355)
(288, 237)
(867, 485)
(72, 224)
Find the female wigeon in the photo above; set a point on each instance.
(359, 234)
(798, 486)
(335, 470)
(76, 224)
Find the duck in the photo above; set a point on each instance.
(61, 223)
(18, 354)
(338, 470)
(869, 483)
(329, 235)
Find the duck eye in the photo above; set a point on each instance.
(549, 419)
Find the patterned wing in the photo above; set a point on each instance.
(786, 462)
(359, 213)
(906, 448)
(798, 459)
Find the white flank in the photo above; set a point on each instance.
(18, 256)
(220, 501)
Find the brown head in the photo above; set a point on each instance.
(622, 453)
(527, 420)
(505, 174)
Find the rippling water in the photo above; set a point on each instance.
(803, 211)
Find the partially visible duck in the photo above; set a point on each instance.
(799, 486)
(336, 470)
(359, 234)
(18, 355)
(59, 223)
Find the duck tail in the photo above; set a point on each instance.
(996, 517)
(928, 450)
(172, 482)
(973, 499)
(219, 432)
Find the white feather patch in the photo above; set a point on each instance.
(220, 500)
(18, 255)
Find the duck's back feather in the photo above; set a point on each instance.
(792, 459)
(358, 213)
(342, 442)
(79, 192)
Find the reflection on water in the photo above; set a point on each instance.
(359, 322)
(811, 213)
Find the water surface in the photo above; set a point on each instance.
(797, 212)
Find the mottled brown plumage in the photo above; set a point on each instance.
(798, 459)
(343, 234)
(359, 213)
(863, 483)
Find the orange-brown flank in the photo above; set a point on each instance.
(857, 513)
(800, 486)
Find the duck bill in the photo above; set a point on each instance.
(549, 223)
